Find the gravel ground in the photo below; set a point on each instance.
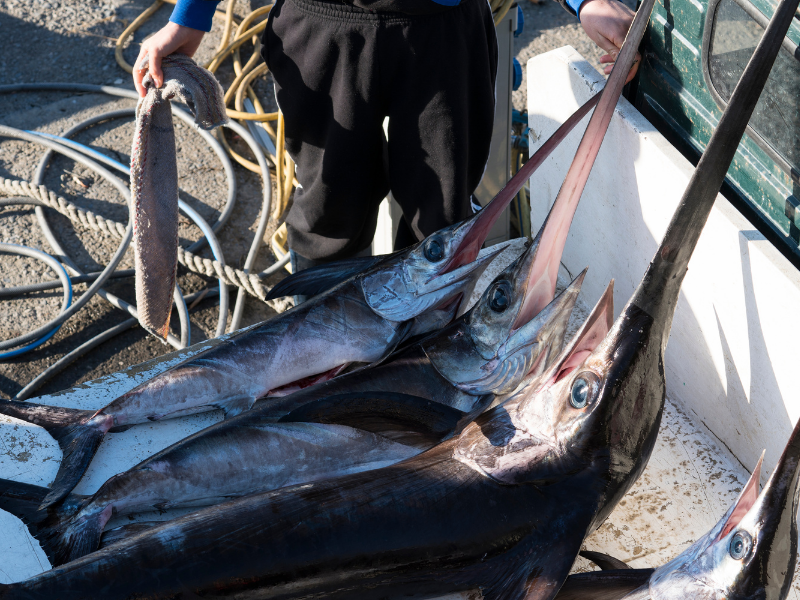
(73, 40)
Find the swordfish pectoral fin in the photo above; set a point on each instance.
(401, 335)
(230, 406)
(235, 406)
(604, 585)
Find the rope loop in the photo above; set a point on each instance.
(89, 220)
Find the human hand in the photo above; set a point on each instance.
(607, 22)
(170, 39)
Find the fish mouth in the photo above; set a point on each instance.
(746, 501)
(547, 328)
(537, 293)
(588, 338)
(470, 236)
(455, 276)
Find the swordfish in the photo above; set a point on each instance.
(750, 554)
(364, 317)
(430, 524)
(360, 421)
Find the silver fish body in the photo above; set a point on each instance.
(324, 333)
(285, 441)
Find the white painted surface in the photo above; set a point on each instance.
(733, 356)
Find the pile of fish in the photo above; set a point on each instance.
(383, 439)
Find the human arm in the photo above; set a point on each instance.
(606, 22)
(190, 21)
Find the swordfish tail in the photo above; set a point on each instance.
(78, 433)
(51, 527)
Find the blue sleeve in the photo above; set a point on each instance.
(196, 14)
(573, 4)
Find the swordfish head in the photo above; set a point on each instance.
(440, 271)
(498, 343)
(751, 553)
(540, 433)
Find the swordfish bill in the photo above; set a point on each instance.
(553, 234)
(657, 294)
(361, 319)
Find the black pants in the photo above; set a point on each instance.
(339, 70)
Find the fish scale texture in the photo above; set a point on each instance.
(154, 181)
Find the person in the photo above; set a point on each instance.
(340, 68)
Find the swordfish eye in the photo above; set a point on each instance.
(583, 388)
(500, 297)
(740, 545)
(434, 249)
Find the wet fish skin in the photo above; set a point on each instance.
(494, 553)
(327, 331)
(252, 452)
(262, 456)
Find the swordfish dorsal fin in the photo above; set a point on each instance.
(657, 294)
(321, 278)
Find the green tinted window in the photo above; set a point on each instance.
(777, 116)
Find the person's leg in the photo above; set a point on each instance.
(440, 82)
(323, 59)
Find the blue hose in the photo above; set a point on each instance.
(65, 280)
